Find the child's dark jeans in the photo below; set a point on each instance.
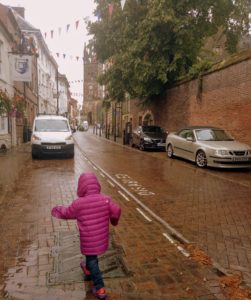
(93, 266)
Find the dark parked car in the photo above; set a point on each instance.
(148, 137)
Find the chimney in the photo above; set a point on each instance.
(20, 10)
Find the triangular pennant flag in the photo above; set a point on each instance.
(67, 27)
(98, 14)
(64, 55)
(77, 57)
(77, 22)
(123, 4)
(59, 30)
(45, 34)
(57, 54)
(110, 9)
(52, 34)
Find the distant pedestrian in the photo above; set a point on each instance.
(93, 212)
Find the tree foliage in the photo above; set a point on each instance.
(152, 43)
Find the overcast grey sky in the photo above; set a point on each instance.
(51, 15)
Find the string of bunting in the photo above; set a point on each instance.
(76, 81)
(77, 58)
(63, 55)
(110, 9)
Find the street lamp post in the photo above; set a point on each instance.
(57, 92)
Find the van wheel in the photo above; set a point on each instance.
(71, 155)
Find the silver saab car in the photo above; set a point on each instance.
(208, 146)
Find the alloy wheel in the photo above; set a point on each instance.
(201, 159)
(169, 151)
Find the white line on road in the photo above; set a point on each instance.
(102, 174)
(123, 195)
(110, 183)
(95, 168)
(182, 250)
(146, 208)
(141, 212)
(155, 216)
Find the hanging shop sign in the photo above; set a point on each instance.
(21, 67)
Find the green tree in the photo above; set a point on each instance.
(152, 43)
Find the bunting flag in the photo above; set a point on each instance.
(64, 55)
(110, 9)
(76, 81)
(51, 33)
(123, 4)
(77, 23)
(97, 14)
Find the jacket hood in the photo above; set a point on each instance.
(88, 184)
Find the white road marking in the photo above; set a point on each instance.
(124, 196)
(102, 174)
(110, 183)
(95, 168)
(146, 208)
(182, 250)
(141, 212)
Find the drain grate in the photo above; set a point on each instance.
(67, 256)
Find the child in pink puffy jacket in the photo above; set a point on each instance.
(93, 212)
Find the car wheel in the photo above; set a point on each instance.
(33, 155)
(141, 146)
(201, 159)
(131, 142)
(169, 151)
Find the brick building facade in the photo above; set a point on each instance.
(222, 98)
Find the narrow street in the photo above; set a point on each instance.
(182, 228)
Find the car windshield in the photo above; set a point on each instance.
(154, 129)
(213, 135)
(51, 125)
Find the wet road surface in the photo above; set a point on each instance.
(198, 205)
(210, 207)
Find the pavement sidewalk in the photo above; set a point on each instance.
(156, 268)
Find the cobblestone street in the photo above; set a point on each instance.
(33, 242)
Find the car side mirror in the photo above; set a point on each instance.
(189, 139)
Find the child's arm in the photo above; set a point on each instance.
(115, 212)
(64, 212)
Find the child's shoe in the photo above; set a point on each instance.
(87, 273)
(99, 294)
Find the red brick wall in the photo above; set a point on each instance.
(225, 102)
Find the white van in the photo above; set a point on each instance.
(85, 125)
(51, 135)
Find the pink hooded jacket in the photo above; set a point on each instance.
(93, 212)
